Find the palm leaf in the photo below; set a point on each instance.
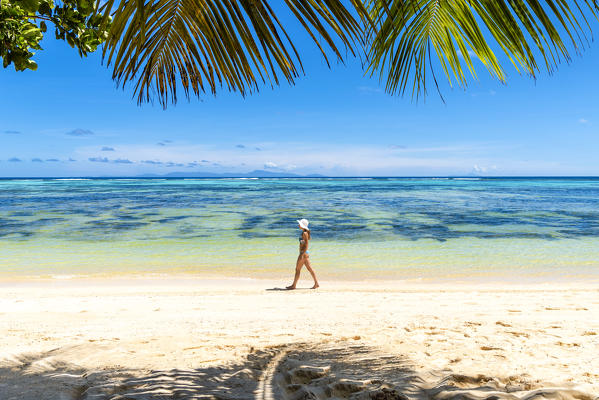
(530, 32)
(205, 45)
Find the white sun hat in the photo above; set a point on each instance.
(303, 223)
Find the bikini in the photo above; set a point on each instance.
(301, 238)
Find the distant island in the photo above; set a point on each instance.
(253, 174)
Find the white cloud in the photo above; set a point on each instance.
(472, 54)
(583, 121)
(369, 89)
(321, 158)
(80, 132)
(480, 169)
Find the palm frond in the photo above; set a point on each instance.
(529, 32)
(205, 45)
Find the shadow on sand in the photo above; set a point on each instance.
(298, 371)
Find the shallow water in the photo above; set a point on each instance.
(403, 228)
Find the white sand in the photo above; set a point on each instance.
(193, 338)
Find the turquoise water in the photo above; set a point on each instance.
(429, 228)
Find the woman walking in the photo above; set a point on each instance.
(304, 257)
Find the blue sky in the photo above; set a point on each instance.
(69, 119)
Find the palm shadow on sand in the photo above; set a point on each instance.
(295, 371)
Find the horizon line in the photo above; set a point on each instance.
(310, 177)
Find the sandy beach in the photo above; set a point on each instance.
(180, 338)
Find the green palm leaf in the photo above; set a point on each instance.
(205, 45)
(408, 33)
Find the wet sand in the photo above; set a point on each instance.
(196, 338)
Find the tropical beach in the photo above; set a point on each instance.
(109, 293)
(299, 200)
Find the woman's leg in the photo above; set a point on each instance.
(309, 267)
(298, 268)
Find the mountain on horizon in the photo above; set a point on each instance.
(259, 173)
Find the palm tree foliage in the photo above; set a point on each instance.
(206, 45)
(409, 33)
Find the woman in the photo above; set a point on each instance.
(304, 257)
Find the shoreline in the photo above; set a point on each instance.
(229, 282)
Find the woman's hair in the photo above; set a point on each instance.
(309, 235)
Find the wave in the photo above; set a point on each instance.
(70, 179)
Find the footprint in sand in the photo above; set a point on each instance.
(563, 344)
(518, 334)
(311, 382)
(304, 374)
(335, 374)
(199, 347)
(490, 348)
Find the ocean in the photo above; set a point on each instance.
(426, 229)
